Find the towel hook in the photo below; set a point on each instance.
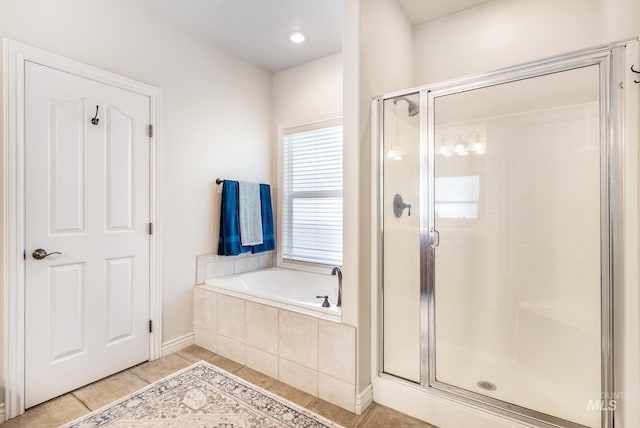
(95, 119)
(635, 71)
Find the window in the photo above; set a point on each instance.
(312, 193)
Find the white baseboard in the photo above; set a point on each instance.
(174, 345)
(364, 399)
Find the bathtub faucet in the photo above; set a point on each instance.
(325, 302)
(336, 271)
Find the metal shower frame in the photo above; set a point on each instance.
(610, 61)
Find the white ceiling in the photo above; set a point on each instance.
(421, 11)
(258, 30)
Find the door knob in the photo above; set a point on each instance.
(40, 254)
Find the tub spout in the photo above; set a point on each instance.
(337, 271)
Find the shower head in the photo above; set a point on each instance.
(413, 107)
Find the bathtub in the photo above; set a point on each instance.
(271, 321)
(284, 288)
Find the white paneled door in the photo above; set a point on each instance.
(87, 197)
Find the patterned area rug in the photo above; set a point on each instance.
(202, 395)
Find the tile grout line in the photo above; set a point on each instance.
(187, 360)
(308, 406)
(368, 414)
(86, 406)
(139, 377)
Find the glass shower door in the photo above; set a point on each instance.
(400, 161)
(517, 189)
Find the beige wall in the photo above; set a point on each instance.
(2, 231)
(216, 109)
(308, 91)
(503, 33)
(384, 54)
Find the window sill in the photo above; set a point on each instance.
(305, 266)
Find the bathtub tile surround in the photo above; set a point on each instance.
(262, 361)
(335, 340)
(298, 376)
(206, 338)
(220, 269)
(335, 391)
(204, 321)
(212, 266)
(231, 349)
(247, 264)
(202, 300)
(311, 353)
(230, 317)
(298, 339)
(264, 320)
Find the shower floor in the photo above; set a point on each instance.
(517, 384)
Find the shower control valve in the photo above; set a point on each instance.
(399, 206)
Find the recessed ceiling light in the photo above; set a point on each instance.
(296, 37)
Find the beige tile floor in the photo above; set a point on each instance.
(70, 406)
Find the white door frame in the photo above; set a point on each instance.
(13, 210)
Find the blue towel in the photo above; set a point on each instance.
(268, 235)
(229, 238)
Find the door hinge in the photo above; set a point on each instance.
(150, 326)
(24, 254)
(150, 228)
(150, 131)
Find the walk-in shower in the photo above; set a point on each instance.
(495, 287)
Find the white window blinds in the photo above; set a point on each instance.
(312, 194)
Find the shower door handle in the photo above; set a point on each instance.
(434, 238)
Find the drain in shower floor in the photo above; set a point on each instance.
(486, 385)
